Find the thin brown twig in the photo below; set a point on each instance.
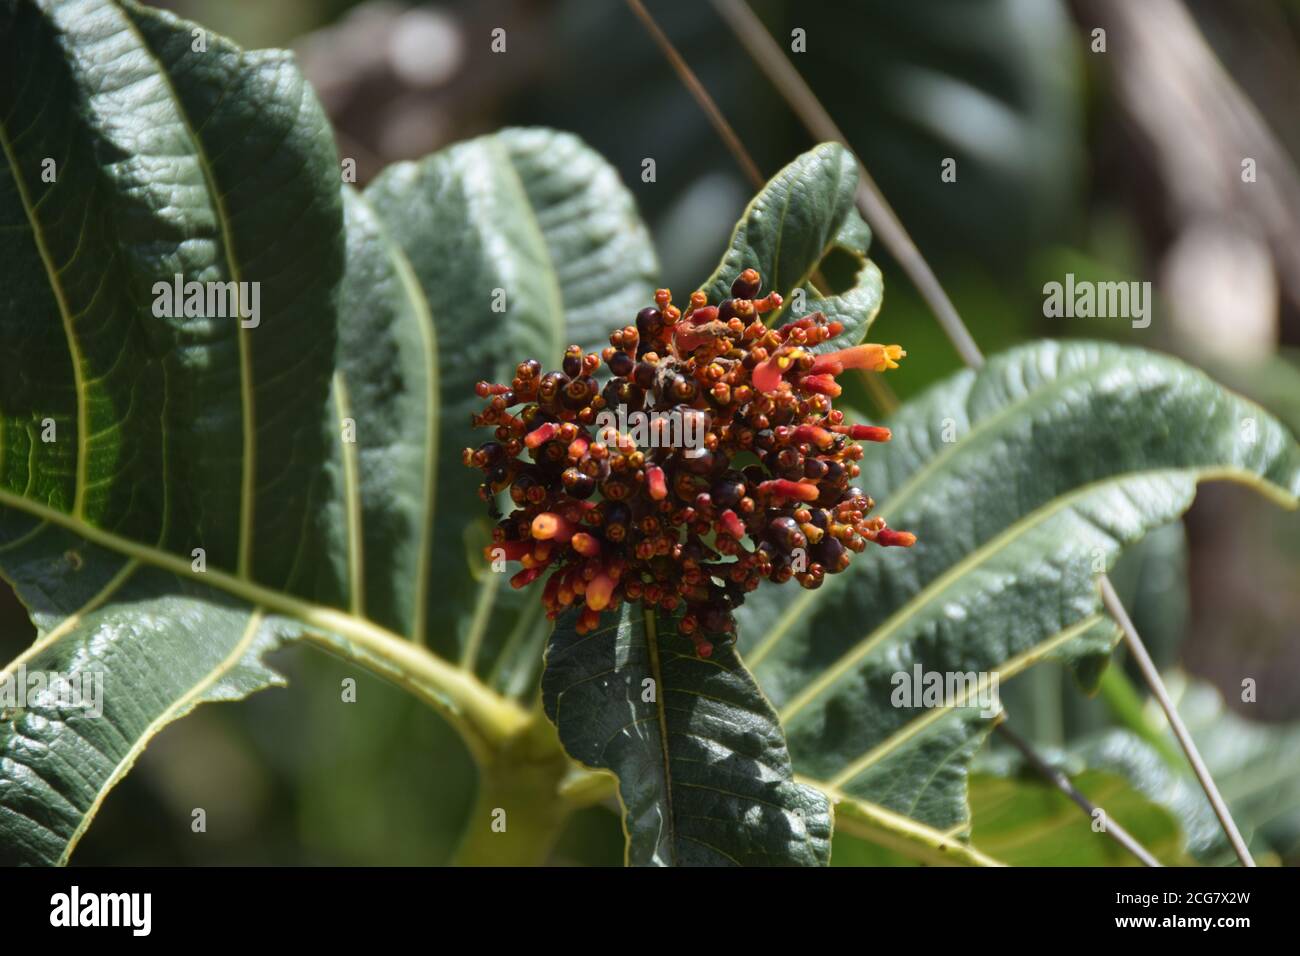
(772, 60)
(1148, 668)
(1062, 783)
(879, 389)
(697, 90)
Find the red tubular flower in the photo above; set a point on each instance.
(745, 467)
(814, 435)
(549, 525)
(820, 385)
(864, 432)
(599, 590)
(578, 447)
(587, 620)
(585, 544)
(767, 376)
(656, 483)
(869, 356)
(782, 488)
(540, 436)
(732, 524)
(510, 550)
(525, 577)
(887, 538)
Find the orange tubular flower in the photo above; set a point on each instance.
(869, 356)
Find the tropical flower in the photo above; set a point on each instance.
(737, 468)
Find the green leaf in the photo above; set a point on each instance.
(520, 242)
(313, 457)
(388, 380)
(236, 459)
(180, 495)
(160, 435)
(1021, 481)
(704, 776)
(60, 758)
(1025, 821)
(1019, 819)
(804, 220)
(1256, 766)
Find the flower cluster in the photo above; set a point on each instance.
(744, 471)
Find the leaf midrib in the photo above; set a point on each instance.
(656, 673)
(535, 225)
(907, 833)
(489, 715)
(423, 318)
(176, 709)
(1005, 670)
(73, 619)
(65, 313)
(351, 499)
(248, 473)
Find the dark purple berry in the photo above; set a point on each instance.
(786, 534)
(621, 364)
(744, 287)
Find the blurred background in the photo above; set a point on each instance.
(1114, 156)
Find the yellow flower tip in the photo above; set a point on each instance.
(789, 358)
(885, 357)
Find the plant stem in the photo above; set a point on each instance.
(696, 89)
(1157, 686)
(518, 814)
(1125, 705)
(1059, 780)
(458, 694)
(876, 824)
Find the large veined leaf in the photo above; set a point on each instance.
(87, 238)
(790, 231)
(128, 440)
(1022, 481)
(704, 776)
(180, 495)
